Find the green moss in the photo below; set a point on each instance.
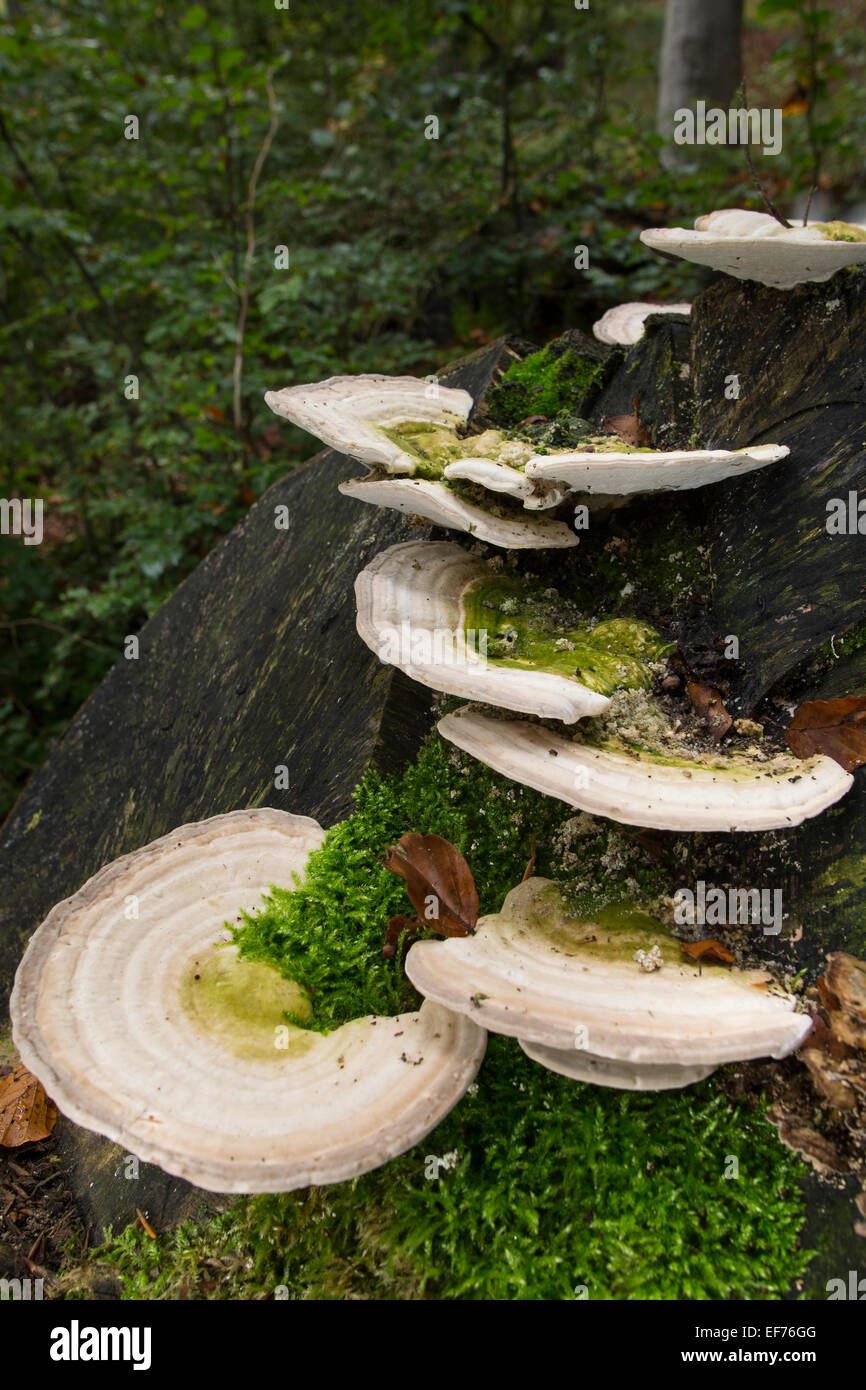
(556, 1187)
(533, 629)
(328, 934)
(556, 381)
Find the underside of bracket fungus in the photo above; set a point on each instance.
(714, 792)
(451, 622)
(146, 1027)
(567, 981)
(613, 472)
(623, 326)
(755, 246)
(354, 414)
(436, 502)
(619, 1075)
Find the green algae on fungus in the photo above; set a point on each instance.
(648, 726)
(433, 447)
(840, 231)
(536, 629)
(552, 1188)
(241, 1003)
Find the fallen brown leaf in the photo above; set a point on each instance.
(834, 727)
(26, 1113)
(707, 950)
(710, 707)
(629, 428)
(439, 882)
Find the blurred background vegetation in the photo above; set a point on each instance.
(147, 257)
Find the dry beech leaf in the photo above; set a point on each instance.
(707, 950)
(834, 727)
(710, 707)
(629, 428)
(439, 882)
(26, 1113)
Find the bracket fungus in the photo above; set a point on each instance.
(436, 502)
(145, 1025)
(612, 472)
(447, 620)
(354, 414)
(637, 787)
(755, 246)
(623, 325)
(563, 979)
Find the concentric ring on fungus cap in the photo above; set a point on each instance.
(107, 1013)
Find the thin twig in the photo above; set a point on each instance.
(812, 191)
(768, 202)
(262, 155)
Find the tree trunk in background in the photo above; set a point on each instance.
(700, 58)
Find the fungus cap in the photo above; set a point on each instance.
(566, 979)
(618, 474)
(411, 612)
(146, 1031)
(755, 246)
(350, 413)
(623, 325)
(640, 790)
(440, 504)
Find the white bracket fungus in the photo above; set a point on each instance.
(636, 789)
(411, 612)
(350, 413)
(755, 246)
(143, 1027)
(618, 474)
(437, 503)
(623, 326)
(561, 978)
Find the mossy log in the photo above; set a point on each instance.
(254, 662)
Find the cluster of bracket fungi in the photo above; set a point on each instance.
(140, 1024)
